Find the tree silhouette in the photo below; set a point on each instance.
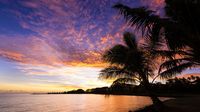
(130, 62)
(179, 30)
(186, 15)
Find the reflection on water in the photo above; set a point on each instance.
(70, 103)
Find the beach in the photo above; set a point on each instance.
(178, 104)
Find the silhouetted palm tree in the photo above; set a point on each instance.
(130, 61)
(180, 30)
(180, 26)
(151, 25)
(186, 15)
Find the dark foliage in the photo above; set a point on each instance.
(173, 87)
(179, 30)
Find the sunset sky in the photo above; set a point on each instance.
(56, 45)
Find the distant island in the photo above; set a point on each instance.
(173, 87)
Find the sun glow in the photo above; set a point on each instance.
(45, 78)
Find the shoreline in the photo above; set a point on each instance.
(175, 95)
(178, 104)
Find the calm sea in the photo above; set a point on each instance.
(70, 103)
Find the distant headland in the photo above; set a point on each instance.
(173, 87)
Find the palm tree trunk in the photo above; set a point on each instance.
(156, 101)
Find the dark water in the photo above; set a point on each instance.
(70, 103)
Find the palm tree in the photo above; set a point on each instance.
(130, 62)
(186, 15)
(179, 29)
(180, 26)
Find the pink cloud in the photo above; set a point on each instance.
(67, 32)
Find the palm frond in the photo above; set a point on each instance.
(154, 38)
(173, 63)
(114, 72)
(169, 53)
(169, 73)
(124, 80)
(116, 55)
(176, 35)
(129, 40)
(141, 17)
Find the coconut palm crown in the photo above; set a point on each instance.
(179, 29)
(130, 62)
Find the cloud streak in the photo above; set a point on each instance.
(65, 38)
(66, 32)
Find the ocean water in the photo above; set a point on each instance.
(71, 103)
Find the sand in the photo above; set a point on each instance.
(179, 104)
